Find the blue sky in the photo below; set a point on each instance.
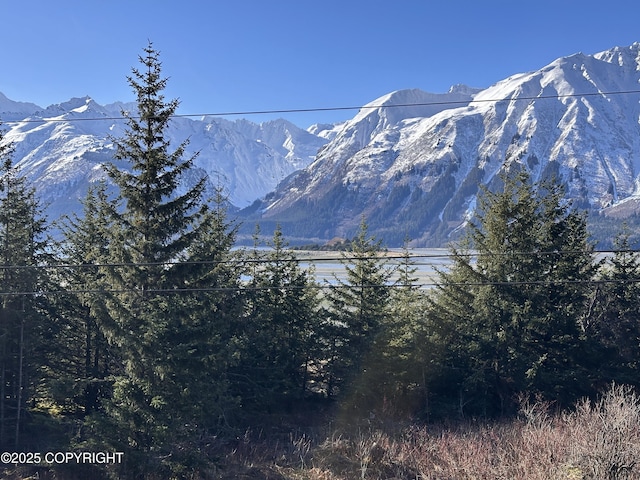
(250, 55)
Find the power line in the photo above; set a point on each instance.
(317, 286)
(391, 257)
(330, 109)
(249, 287)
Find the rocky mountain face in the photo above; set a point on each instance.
(62, 148)
(412, 162)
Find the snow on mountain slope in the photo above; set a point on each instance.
(248, 159)
(415, 170)
(410, 161)
(12, 110)
(364, 147)
(61, 149)
(327, 131)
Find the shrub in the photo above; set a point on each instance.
(606, 435)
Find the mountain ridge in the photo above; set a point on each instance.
(410, 161)
(418, 175)
(61, 149)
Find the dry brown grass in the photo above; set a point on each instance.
(598, 440)
(595, 441)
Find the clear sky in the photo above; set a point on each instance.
(250, 55)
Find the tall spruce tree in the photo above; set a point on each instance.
(78, 378)
(281, 328)
(444, 338)
(614, 322)
(393, 367)
(358, 309)
(22, 311)
(511, 321)
(212, 311)
(167, 341)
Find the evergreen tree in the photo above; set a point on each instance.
(208, 347)
(23, 325)
(280, 329)
(512, 319)
(445, 339)
(79, 370)
(169, 390)
(394, 369)
(614, 321)
(358, 309)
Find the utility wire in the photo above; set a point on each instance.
(322, 259)
(393, 257)
(317, 286)
(248, 287)
(331, 109)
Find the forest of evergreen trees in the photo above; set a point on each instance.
(144, 331)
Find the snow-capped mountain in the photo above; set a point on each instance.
(412, 162)
(62, 148)
(16, 110)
